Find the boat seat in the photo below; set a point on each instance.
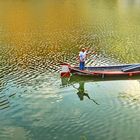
(134, 67)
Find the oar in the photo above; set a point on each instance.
(94, 101)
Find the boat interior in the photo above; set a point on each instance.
(123, 68)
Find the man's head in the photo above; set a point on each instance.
(83, 49)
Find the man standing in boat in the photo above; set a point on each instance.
(82, 58)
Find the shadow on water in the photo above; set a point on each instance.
(81, 92)
(81, 80)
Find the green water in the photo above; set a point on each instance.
(35, 37)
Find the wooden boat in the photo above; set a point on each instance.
(102, 71)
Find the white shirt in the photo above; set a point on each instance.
(82, 56)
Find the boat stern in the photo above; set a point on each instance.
(65, 71)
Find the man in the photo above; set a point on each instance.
(82, 58)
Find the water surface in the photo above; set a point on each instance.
(35, 37)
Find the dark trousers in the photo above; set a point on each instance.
(82, 65)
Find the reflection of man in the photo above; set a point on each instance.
(81, 92)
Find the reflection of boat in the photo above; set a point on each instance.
(67, 81)
(126, 70)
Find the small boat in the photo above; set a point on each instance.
(102, 71)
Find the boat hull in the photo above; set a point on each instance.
(102, 71)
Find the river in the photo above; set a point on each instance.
(35, 37)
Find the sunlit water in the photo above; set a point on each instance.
(35, 37)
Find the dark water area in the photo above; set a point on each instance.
(35, 37)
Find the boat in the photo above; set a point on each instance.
(127, 70)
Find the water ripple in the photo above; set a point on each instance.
(32, 104)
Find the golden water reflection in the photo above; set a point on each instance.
(39, 30)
